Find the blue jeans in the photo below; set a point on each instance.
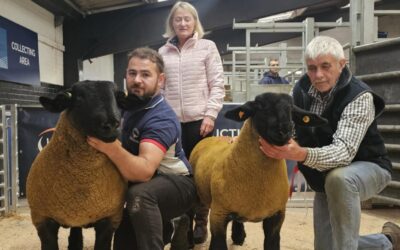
(337, 212)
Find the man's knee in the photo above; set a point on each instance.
(338, 181)
(134, 205)
(135, 200)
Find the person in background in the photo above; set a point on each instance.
(194, 85)
(344, 162)
(151, 158)
(272, 76)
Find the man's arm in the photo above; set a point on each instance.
(352, 127)
(134, 168)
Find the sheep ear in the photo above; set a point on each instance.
(130, 101)
(303, 117)
(59, 103)
(120, 98)
(241, 113)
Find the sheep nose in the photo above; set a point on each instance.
(110, 125)
(283, 133)
(286, 129)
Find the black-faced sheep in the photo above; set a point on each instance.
(70, 183)
(237, 181)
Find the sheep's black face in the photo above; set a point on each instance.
(94, 109)
(273, 117)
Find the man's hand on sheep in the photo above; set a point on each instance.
(207, 126)
(105, 148)
(135, 168)
(290, 151)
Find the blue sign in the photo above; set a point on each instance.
(19, 55)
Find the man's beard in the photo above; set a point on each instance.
(147, 93)
(151, 93)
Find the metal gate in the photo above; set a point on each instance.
(8, 160)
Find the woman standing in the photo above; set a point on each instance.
(194, 84)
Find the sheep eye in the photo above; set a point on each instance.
(79, 100)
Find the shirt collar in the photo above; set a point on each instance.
(174, 40)
(157, 99)
(313, 92)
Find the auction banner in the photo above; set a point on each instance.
(19, 55)
(35, 128)
(227, 127)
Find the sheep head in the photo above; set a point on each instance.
(92, 107)
(273, 116)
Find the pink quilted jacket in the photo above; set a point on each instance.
(194, 79)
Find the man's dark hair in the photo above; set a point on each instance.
(150, 54)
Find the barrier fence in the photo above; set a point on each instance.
(8, 160)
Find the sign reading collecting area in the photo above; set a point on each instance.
(19, 57)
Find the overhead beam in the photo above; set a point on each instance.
(122, 30)
(59, 8)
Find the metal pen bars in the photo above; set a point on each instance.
(8, 160)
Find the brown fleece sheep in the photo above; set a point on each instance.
(73, 183)
(237, 181)
(70, 183)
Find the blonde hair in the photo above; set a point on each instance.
(169, 29)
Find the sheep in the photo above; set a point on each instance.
(237, 181)
(71, 184)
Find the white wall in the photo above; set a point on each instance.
(50, 38)
(100, 68)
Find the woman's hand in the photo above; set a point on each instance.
(206, 126)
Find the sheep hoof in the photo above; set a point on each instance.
(200, 234)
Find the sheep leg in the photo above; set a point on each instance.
(104, 233)
(218, 224)
(48, 234)
(272, 227)
(238, 233)
(75, 239)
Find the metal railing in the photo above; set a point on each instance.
(307, 30)
(8, 160)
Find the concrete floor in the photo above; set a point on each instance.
(18, 233)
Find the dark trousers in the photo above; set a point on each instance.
(190, 137)
(149, 208)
